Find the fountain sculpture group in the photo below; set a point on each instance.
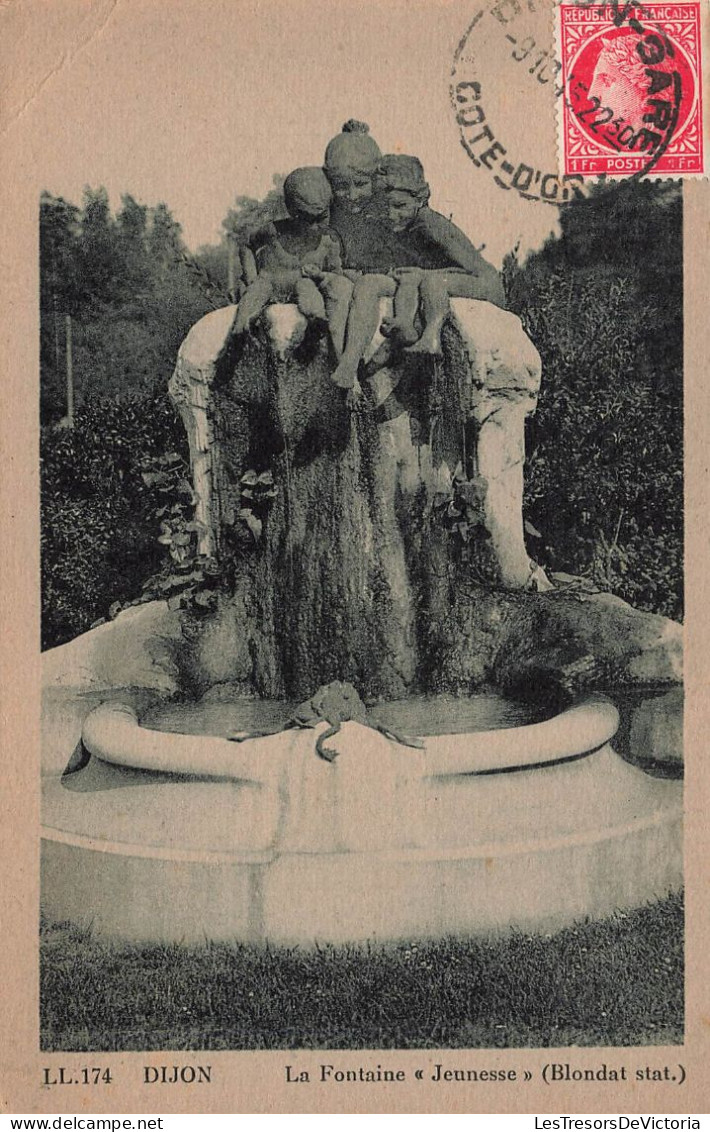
(362, 526)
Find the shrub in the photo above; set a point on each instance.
(99, 533)
(604, 481)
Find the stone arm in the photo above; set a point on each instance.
(450, 247)
(248, 263)
(326, 257)
(333, 259)
(263, 245)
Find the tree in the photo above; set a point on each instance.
(250, 213)
(603, 304)
(131, 288)
(100, 262)
(60, 274)
(165, 243)
(132, 234)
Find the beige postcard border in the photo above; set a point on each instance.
(255, 1082)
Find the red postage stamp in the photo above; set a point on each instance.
(632, 86)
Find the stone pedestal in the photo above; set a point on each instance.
(501, 391)
(380, 470)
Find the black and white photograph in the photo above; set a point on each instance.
(360, 552)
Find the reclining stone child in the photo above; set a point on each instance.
(434, 261)
(298, 260)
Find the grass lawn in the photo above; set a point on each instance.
(617, 983)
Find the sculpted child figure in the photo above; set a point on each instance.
(431, 261)
(358, 213)
(447, 264)
(298, 260)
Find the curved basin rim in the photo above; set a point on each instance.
(114, 734)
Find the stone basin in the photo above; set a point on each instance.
(177, 837)
(532, 825)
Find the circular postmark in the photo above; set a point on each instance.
(614, 92)
(505, 80)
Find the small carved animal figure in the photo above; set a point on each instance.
(335, 703)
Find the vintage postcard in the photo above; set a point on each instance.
(354, 516)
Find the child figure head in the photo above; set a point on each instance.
(402, 179)
(351, 159)
(307, 194)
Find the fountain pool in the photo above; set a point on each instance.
(501, 820)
